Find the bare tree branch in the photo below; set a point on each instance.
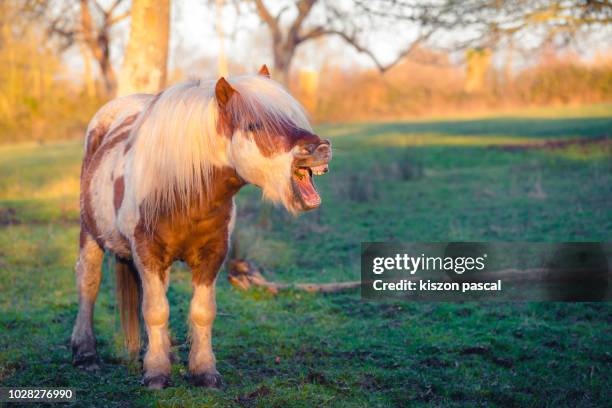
(282, 11)
(266, 17)
(115, 19)
(304, 7)
(112, 8)
(244, 276)
(86, 22)
(382, 68)
(491, 21)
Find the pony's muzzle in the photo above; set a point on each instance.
(323, 149)
(316, 152)
(323, 146)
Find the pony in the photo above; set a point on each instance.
(158, 181)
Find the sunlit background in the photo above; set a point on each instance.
(468, 121)
(346, 60)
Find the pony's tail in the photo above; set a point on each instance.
(128, 298)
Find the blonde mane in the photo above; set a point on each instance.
(176, 145)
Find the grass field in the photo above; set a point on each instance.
(493, 179)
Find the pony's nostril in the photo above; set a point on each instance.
(309, 148)
(323, 149)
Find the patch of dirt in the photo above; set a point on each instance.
(308, 353)
(478, 350)
(356, 307)
(464, 312)
(503, 362)
(11, 216)
(250, 398)
(426, 393)
(8, 216)
(370, 383)
(556, 144)
(554, 344)
(604, 358)
(435, 363)
(317, 377)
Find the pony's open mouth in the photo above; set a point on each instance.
(303, 185)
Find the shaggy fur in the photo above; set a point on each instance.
(178, 139)
(157, 185)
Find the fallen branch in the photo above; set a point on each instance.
(243, 275)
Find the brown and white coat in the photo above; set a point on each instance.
(158, 181)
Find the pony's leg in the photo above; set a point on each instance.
(202, 365)
(155, 310)
(88, 275)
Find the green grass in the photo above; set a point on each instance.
(413, 181)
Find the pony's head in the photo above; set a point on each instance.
(271, 144)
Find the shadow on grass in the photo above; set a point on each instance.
(510, 126)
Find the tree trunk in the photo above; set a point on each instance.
(478, 62)
(145, 64)
(106, 68)
(99, 46)
(223, 68)
(283, 54)
(88, 79)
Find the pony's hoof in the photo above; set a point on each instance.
(157, 382)
(86, 361)
(208, 380)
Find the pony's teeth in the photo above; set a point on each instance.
(319, 170)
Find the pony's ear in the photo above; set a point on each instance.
(263, 71)
(223, 92)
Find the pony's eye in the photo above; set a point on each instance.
(252, 127)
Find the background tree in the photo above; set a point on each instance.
(145, 63)
(40, 97)
(222, 59)
(349, 21)
(87, 22)
(490, 22)
(544, 21)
